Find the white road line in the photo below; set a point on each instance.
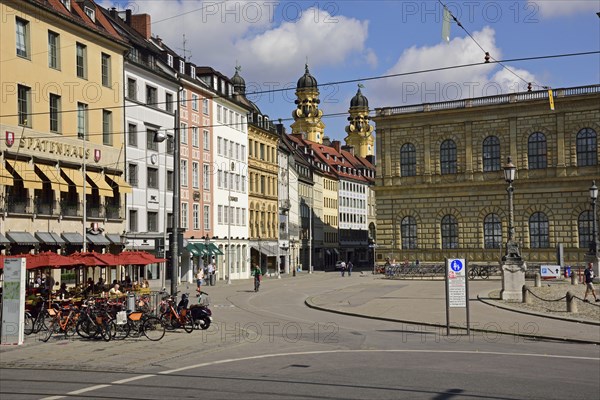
(263, 356)
(374, 351)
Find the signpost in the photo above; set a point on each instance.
(13, 301)
(550, 271)
(457, 289)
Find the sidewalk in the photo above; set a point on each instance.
(424, 303)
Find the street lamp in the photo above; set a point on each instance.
(512, 247)
(594, 242)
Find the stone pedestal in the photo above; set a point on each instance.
(513, 279)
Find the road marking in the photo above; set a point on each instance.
(264, 356)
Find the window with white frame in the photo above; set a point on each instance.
(205, 110)
(243, 154)
(182, 66)
(225, 147)
(219, 179)
(193, 72)
(22, 37)
(170, 60)
(206, 177)
(219, 110)
(219, 214)
(184, 215)
(195, 175)
(183, 99)
(184, 172)
(225, 179)
(243, 217)
(206, 139)
(225, 214)
(196, 216)
(106, 70)
(219, 143)
(195, 136)
(81, 60)
(183, 132)
(194, 102)
(206, 218)
(53, 50)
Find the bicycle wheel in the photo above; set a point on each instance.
(484, 273)
(472, 273)
(153, 329)
(86, 328)
(169, 321)
(52, 327)
(120, 331)
(188, 323)
(107, 330)
(29, 324)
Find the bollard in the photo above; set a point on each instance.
(571, 304)
(526, 295)
(538, 280)
(574, 279)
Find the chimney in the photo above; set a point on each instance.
(128, 17)
(349, 149)
(337, 145)
(141, 23)
(113, 13)
(326, 141)
(159, 40)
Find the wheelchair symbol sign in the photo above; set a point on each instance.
(456, 265)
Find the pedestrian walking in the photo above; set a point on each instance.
(589, 286)
(211, 273)
(349, 266)
(199, 278)
(343, 268)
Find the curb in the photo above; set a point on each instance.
(493, 303)
(309, 303)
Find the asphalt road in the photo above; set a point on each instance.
(269, 345)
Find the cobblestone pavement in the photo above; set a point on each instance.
(550, 299)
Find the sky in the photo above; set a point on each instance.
(355, 40)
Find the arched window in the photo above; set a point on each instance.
(587, 147)
(448, 157)
(492, 232)
(409, 233)
(449, 232)
(539, 235)
(491, 154)
(584, 225)
(536, 151)
(408, 160)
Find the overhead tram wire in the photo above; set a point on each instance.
(487, 53)
(342, 82)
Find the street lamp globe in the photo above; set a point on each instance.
(510, 171)
(594, 191)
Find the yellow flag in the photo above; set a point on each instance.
(551, 99)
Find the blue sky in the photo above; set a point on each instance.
(345, 40)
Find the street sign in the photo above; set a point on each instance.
(457, 294)
(457, 289)
(550, 271)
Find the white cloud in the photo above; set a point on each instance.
(451, 84)
(221, 33)
(557, 8)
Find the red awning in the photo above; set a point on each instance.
(138, 258)
(90, 259)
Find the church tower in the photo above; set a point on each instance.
(307, 116)
(360, 132)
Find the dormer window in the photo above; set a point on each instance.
(170, 60)
(193, 72)
(90, 13)
(181, 66)
(67, 4)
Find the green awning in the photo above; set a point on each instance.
(191, 247)
(213, 249)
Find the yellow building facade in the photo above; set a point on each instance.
(62, 129)
(440, 190)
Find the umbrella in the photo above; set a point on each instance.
(138, 258)
(50, 259)
(90, 259)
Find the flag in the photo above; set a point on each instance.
(551, 99)
(446, 25)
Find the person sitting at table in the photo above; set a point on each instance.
(115, 292)
(145, 284)
(62, 292)
(89, 287)
(127, 282)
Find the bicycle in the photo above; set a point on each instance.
(37, 323)
(61, 323)
(138, 323)
(95, 322)
(176, 317)
(480, 271)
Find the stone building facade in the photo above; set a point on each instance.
(440, 190)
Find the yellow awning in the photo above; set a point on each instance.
(53, 175)
(76, 176)
(124, 187)
(6, 178)
(31, 180)
(98, 179)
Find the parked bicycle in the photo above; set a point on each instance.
(136, 324)
(479, 271)
(35, 319)
(174, 317)
(63, 319)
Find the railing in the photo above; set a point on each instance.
(489, 100)
(19, 204)
(45, 207)
(112, 211)
(70, 208)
